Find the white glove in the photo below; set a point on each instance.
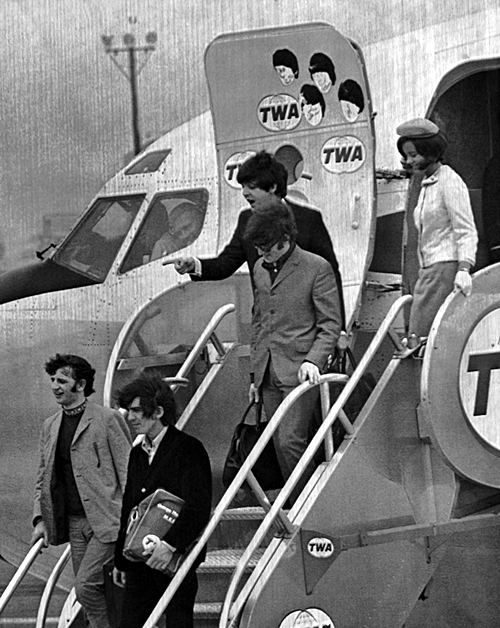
(463, 282)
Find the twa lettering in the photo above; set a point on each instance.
(279, 113)
(343, 154)
(483, 363)
(232, 166)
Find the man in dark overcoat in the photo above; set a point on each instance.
(162, 457)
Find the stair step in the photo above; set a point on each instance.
(214, 575)
(207, 610)
(206, 615)
(225, 560)
(28, 622)
(237, 528)
(247, 513)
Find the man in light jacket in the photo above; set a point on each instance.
(84, 450)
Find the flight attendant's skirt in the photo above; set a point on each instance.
(433, 285)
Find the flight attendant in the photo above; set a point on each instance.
(447, 235)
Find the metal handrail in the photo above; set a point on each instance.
(306, 457)
(21, 571)
(229, 495)
(242, 474)
(191, 358)
(207, 334)
(50, 586)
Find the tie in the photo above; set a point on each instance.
(148, 446)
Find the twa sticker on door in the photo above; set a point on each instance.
(343, 154)
(279, 113)
(479, 384)
(310, 618)
(232, 166)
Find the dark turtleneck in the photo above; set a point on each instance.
(63, 468)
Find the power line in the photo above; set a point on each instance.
(130, 60)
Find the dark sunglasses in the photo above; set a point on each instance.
(265, 248)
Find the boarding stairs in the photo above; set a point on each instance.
(381, 500)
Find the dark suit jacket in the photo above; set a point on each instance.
(180, 466)
(311, 236)
(295, 319)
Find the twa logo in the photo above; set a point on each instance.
(343, 154)
(232, 166)
(279, 113)
(480, 378)
(308, 618)
(320, 548)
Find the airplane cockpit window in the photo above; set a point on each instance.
(93, 245)
(149, 163)
(173, 222)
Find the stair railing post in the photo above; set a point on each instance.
(282, 523)
(20, 573)
(324, 390)
(50, 586)
(229, 615)
(219, 347)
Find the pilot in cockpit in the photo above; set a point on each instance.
(185, 223)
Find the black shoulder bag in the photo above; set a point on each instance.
(266, 470)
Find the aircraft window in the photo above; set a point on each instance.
(173, 222)
(149, 163)
(92, 246)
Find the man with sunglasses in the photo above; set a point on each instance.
(296, 323)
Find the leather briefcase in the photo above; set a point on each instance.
(266, 470)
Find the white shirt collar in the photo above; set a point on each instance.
(150, 446)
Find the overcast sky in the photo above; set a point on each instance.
(65, 107)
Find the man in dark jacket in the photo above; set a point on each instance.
(162, 457)
(264, 179)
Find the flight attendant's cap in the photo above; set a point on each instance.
(418, 127)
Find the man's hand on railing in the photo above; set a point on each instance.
(40, 532)
(253, 394)
(309, 371)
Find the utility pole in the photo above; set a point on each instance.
(136, 58)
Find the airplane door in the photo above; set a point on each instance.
(300, 92)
